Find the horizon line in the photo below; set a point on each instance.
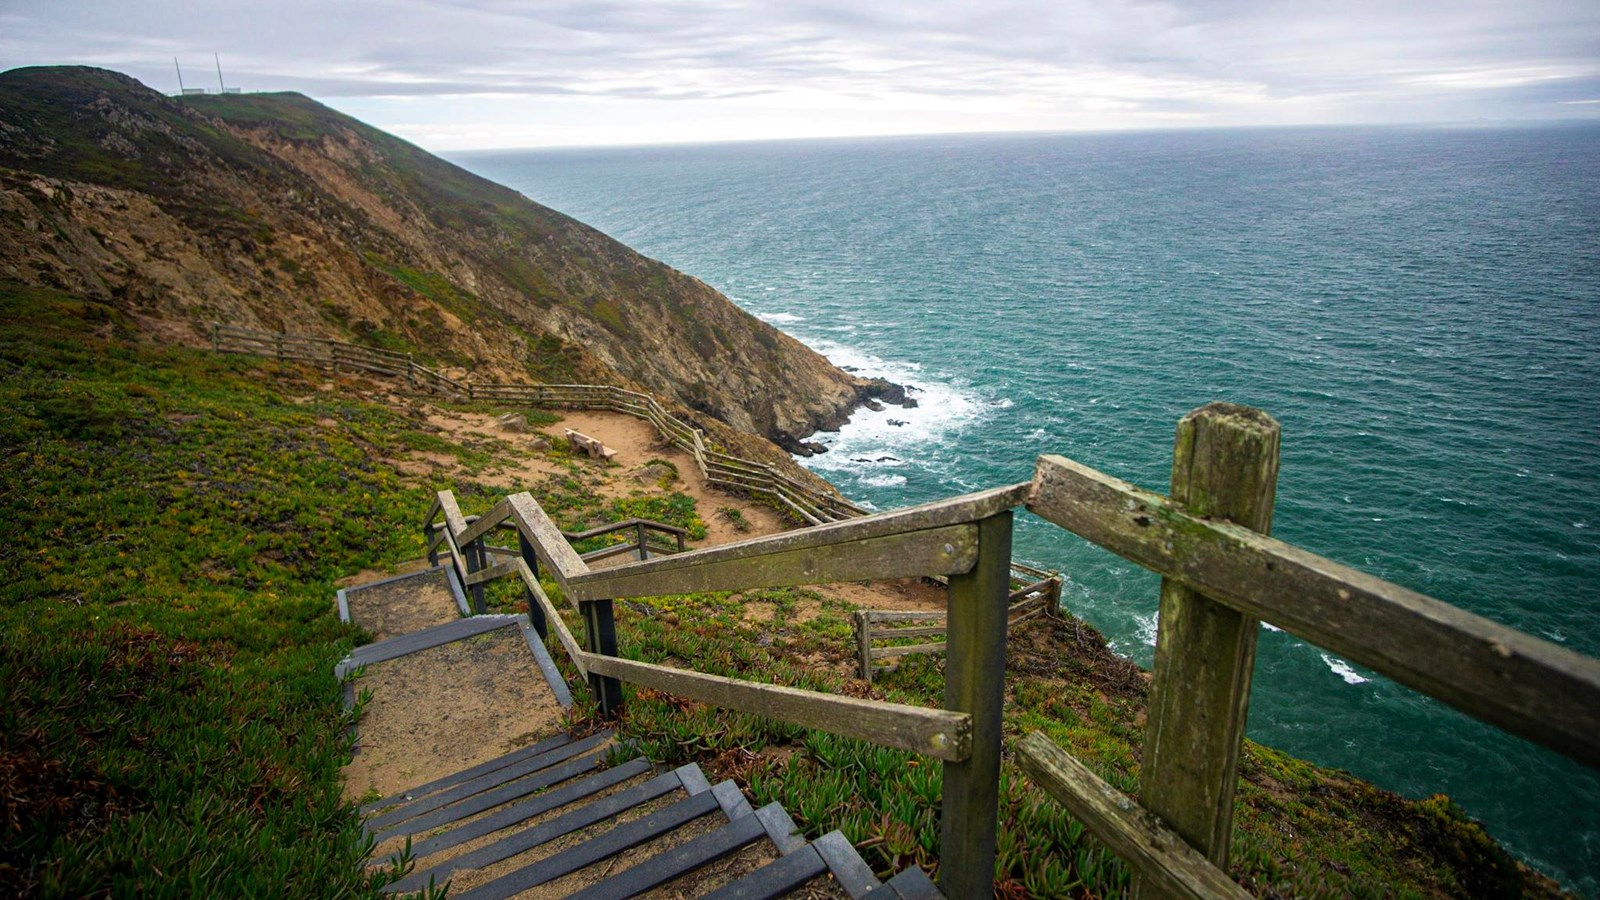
(1442, 124)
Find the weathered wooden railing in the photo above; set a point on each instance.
(475, 557)
(1041, 597)
(1221, 576)
(967, 539)
(640, 530)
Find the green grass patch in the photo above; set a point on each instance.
(431, 285)
(168, 719)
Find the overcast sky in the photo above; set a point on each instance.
(463, 74)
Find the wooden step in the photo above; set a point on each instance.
(598, 848)
(832, 854)
(911, 884)
(492, 788)
(454, 778)
(607, 809)
(516, 813)
(426, 639)
(665, 866)
(404, 604)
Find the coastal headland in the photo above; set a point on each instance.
(180, 518)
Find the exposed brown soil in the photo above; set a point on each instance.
(442, 710)
(636, 442)
(402, 607)
(900, 594)
(366, 576)
(1037, 650)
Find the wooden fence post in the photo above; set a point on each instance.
(433, 550)
(974, 683)
(475, 562)
(535, 610)
(1225, 465)
(600, 636)
(863, 623)
(644, 550)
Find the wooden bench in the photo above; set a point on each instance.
(589, 445)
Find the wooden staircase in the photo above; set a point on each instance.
(561, 817)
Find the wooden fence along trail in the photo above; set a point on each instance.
(1222, 575)
(811, 505)
(1026, 600)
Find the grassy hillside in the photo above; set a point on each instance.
(169, 723)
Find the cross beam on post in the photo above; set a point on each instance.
(1224, 466)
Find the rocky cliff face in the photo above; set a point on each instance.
(273, 211)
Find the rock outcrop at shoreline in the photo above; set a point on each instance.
(273, 211)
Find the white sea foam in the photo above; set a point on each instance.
(945, 407)
(1145, 627)
(1343, 670)
(781, 318)
(883, 480)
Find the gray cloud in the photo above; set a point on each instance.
(1221, 61)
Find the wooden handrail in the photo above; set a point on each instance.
(485, 523)
(965, 737)
(939, 733)
(553, 551)
(928, 539)
(1158, 853)
(1044, 599)
(623, 526)
(552, 618)
(1524, 684)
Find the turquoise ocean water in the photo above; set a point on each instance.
(1419, 308)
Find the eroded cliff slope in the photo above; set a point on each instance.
(273, 211)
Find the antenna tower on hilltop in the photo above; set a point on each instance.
(222, 88)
